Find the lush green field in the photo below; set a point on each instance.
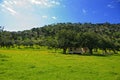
(45, 65)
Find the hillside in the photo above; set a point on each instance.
(103, 36)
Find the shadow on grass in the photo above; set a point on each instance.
(87, 54)
(3, 56)
(99, 55)
(32, 66)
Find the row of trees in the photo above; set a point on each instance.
(104, 36)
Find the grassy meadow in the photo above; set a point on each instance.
(29, 64)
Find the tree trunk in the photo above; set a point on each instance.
(90, 51)
(105, 51)
(96, 50)
(64, 50)
(114, 51)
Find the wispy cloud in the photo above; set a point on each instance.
(54, 17)
(49, 17)
(26, 13)
(110, 6)
(9, 9)
(14, 6)
(44, 17)
(84, 11)
(45, 3)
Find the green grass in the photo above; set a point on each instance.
(45, 65)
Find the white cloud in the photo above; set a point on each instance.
(45, 17)
(110, 6)
(49, 17)
(55, 2)
(84, 11)
(27, 13)
(13, 12)
(9, 9)
(35, 2)
(54, 17)
(14, 6)
(45, 3)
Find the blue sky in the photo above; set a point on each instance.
(17, 15)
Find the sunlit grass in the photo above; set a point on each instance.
(32, 64)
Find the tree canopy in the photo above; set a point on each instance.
(66, 35)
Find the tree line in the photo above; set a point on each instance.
(104, 36)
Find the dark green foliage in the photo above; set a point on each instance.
(103, 36)
(90, 40)
(66, 39)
